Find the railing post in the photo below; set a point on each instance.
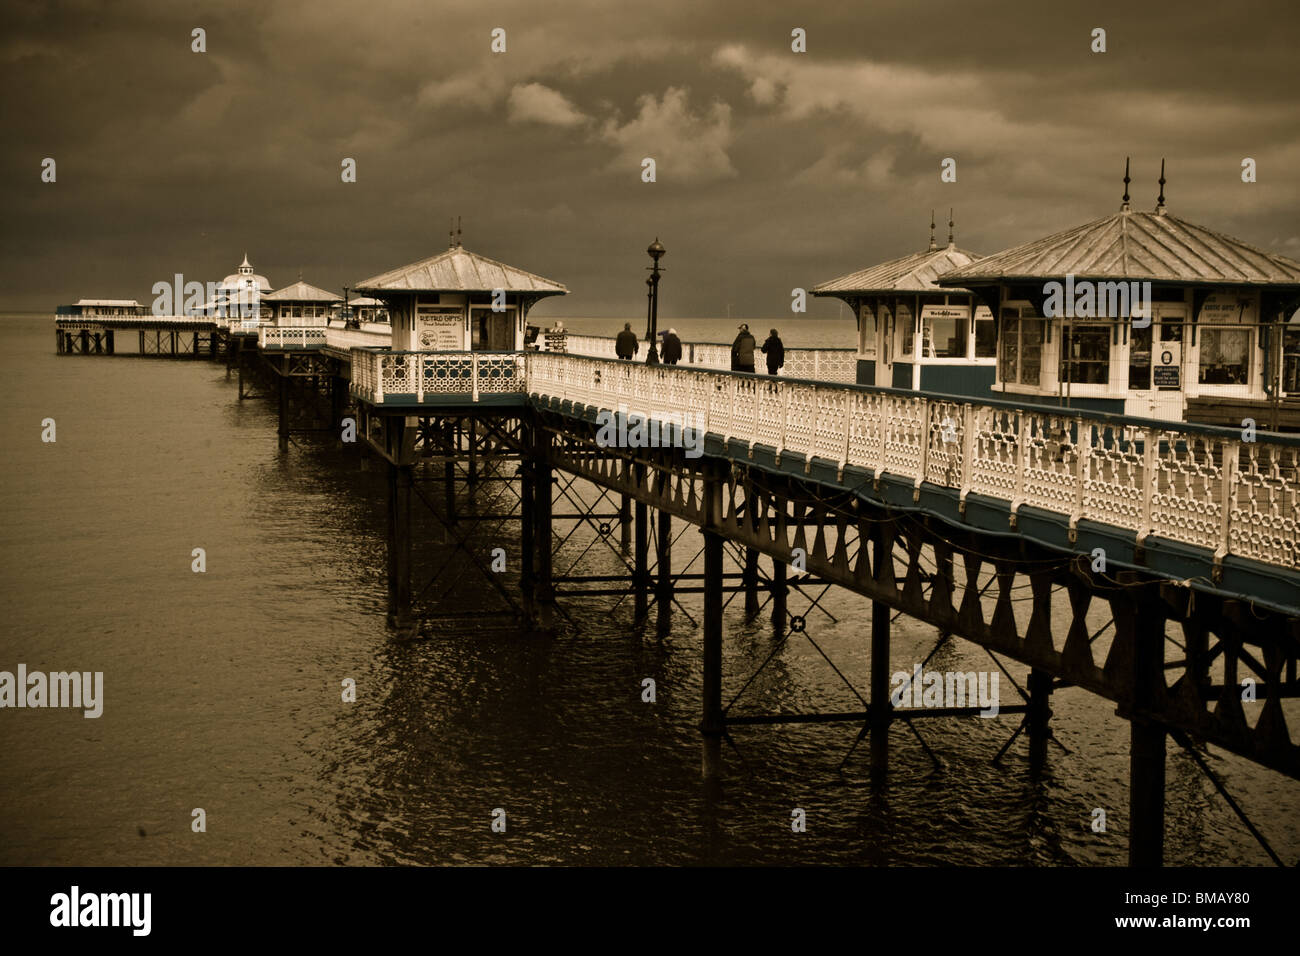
(925, 449)
(1148, 476)
(473, 371)
(1023, 419)
(1080, 470)
(966, 478)
(379, 378)
(1228, 496)
(418, 375)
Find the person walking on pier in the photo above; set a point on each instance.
(626, 346)
(774, 349)
(742, 351)
(672, 348)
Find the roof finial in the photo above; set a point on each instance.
(1160, 202)
(458, 242)
(1125, 206)
(451, 233)
(950, 241)
(933, 247)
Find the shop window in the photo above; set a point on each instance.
(1022, 348)
(1087, 354)
(906, 331)
(1225, 356)
(1139, 358)
(866, 332)
(946, 338)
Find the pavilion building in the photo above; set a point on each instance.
(945, 351)
(301, 305)
(1145, 314)
(458, 301)
(240, 295)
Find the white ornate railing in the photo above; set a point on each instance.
(1192, 484)
(274, 337)
(820, 365)
(381, 376)
(1198, 486)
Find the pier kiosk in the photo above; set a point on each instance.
(240, 294)
(301, 305)
(1213, 348)
(458, 301)
(914, 334)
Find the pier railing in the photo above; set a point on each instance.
(299, 337)
(1198, 485)
(381, 376)
(822, 365)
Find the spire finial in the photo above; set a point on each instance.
(1125, 206)
(451, 233)
(1160, 202)
(933, 247)
(458, 242)
(950, 224)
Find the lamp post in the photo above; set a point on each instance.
(655, 251)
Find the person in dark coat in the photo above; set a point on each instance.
(742, 351)
(774, 349)
(672, 347)
(626, 346)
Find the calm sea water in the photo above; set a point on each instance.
(223, 689)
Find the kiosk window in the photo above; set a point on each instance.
(1022, 348)
(1225, 356)
(1087, 354)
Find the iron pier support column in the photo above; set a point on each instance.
(779, 592)
(664, 557)
(527, 537)
(881, 708)
(625, 521)
(399, 544)
(283, 391)
(750, 581)
(85, 341)
(1040, 712)
(543, 491)
(1146, 738)
(713, 724)
(108, 341)
(449, 473)
(641, 562)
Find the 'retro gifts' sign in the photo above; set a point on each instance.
(438, 329)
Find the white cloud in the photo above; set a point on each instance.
(686, 147)
(533, 102)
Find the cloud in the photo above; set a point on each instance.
(533, 102)
(686, 147)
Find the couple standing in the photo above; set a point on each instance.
(742, 351)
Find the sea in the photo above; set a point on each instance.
(226, 735)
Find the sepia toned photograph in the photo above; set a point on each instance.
(836, 436)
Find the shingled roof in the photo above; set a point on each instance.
(1139, 246)
(915, 273)
(301, 292)
(459, 270)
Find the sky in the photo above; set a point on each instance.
(774, 169)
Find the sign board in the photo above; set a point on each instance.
(1165, 373)
(1222, 308)
(438, 329)
(944, 312)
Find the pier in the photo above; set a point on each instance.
(968, 515)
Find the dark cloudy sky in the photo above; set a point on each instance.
(775, 169)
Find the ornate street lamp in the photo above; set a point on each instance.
(655, 251)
